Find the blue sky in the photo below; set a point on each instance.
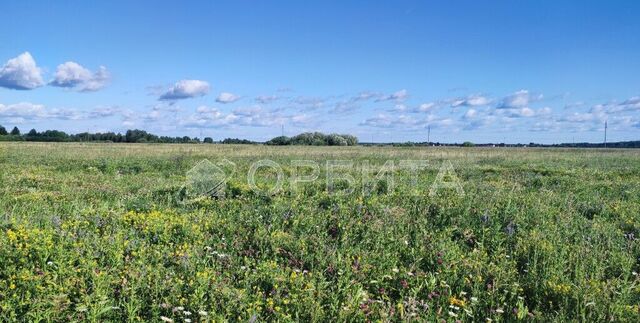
(485, 71)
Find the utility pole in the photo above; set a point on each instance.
(605, 134)
(429, 135)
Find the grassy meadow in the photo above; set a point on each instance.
(109, 232)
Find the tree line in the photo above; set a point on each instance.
(131, 136)
(314, 139)
(141, 136)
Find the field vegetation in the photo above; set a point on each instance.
(109, 232)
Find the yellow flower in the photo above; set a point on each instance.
(457, 302)
(12, 235)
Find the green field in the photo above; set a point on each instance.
(111, 232)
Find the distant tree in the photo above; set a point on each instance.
(208, 140)
(3, 131)
(236, 141)
(15, 131)
(279, 141)
(315, 139)
(468, 144)
(32, 133)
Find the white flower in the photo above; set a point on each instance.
(187, 320)
(186, 313)
(166, 319)
(203, 313)
(499, 311)
(453, 314)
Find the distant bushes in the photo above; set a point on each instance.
(314, 139)
(236, 141)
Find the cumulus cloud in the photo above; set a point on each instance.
(396, 96)
(363, 96)
(21, 73)
(470, 114)
(518, 100)
(426, 107)
(422, 108)
(248, 111)
(74, 76)
(406, 122)
(471, 101)
(226, 97)
(185, 89)
(31, 111)
(209, 117)
(23, 110)
(104, 111)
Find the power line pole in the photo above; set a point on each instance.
(429, 135)
(605, 134)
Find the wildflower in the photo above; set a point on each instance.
(457, 302)
(203, 313)
(186, 313)
(499, 311)
(166, 319)
(187, 320)
(395, 270)
(453, 314)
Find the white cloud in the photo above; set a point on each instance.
(345, 107)
(209, 117)
(266, 99)
(185, 89)
(104, 111)
(396, 96)
(226, 97)
(309, 103)
(363, 96)
(471, 101)
(402, 108)
(250, 111)
(391, 121)
(21, 73)
(426, 107)
(399, 108)
(23, 110)
(470, 114)
(30, 111)
(518, 100)
(517, 112)
(75, 76)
